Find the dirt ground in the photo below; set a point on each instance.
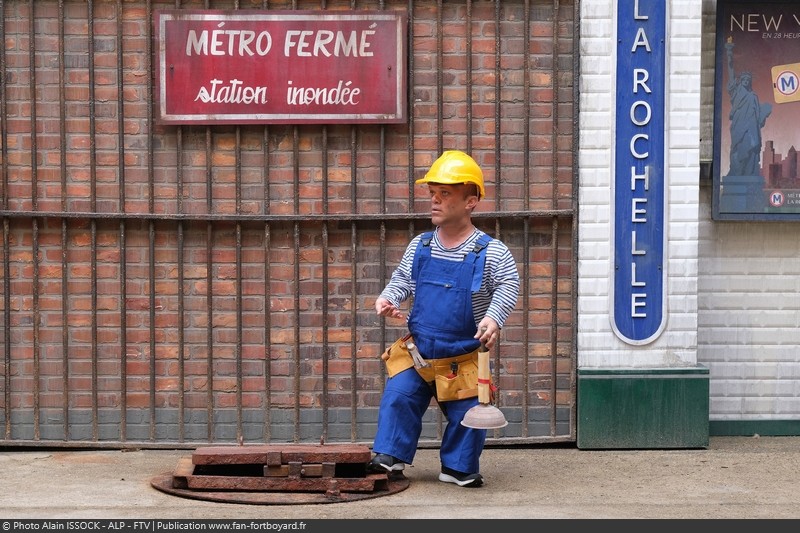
(736, 477)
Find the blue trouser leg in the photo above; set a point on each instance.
(405, 400)
(461, 446)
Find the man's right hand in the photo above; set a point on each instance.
(385, 308)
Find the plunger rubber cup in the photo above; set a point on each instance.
(484, 415)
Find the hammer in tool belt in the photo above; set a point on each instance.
(419, 362)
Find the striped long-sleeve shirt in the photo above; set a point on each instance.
(499, 290)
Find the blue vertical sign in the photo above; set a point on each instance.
(638, 314)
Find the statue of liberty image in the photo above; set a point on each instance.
(747, 118)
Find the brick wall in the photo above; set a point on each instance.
(176, 284)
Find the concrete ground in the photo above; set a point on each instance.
(736, 477)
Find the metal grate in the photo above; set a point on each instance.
(183, 285)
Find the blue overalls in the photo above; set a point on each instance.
(443, 325)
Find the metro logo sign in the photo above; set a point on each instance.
(236, 67)
(786, 87)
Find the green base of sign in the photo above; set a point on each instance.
(643, 408)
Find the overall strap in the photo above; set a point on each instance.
(423, 247)
(478, 255)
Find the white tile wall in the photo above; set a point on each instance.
(748, 293)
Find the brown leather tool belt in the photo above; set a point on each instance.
(455, 378)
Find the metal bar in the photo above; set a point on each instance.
(296, 351)
(310, 217)
(149, 104)
(151, 227)
(526, 319)
(575, 133)
(181, 299)
(209, 296)
(95, 356)
(498, 132)
(498, 153)
(93, 204)
(267, 336)
(554, 238)
(123, 316)
(120, 43)
(526, 182)
(554, 107)
(151, 276)
(123, 333)
(526, 86)
(382, 280)
(410, 99)
(4, 123)
(354, 300)
(209, 286)
(64, 228)
(6, 266)
(468, 25)
(324, 295)
(554, 327)
(6, 326)
(439, 78)
(190, 445)
(65, 349)
(238, 281)
(181, 288)
(92, 104)
(34, 226)
(181, 304)
(239, 367)
(411, 230)
(439, 130)
(296, 327)
(267, 292)
(32, 81)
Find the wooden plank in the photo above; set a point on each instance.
(183, 470)
(274, 458)
(267, 454)
(288, 484)
(295, 468)
(306, 470)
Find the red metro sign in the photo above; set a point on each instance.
(280, 67)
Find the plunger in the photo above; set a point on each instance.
(484, 415)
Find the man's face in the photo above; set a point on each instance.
(450, 202)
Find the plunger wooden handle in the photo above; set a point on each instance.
(484, 375)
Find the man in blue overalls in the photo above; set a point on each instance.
(464, 286)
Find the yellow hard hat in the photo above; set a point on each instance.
(454, 167)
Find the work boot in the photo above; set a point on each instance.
(461, 479)
(383, 463)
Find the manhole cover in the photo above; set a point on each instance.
(279, 475)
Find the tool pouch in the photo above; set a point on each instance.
(397, 358)
(455, 378)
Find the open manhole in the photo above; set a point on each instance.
(279, 475)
